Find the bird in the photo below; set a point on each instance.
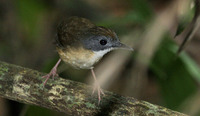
(81, 44)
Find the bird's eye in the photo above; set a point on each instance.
(103, 42)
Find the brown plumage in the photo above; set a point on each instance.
(70, 30)
(81, 44)
(76, 58)
(70, 36)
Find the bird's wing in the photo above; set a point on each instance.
(70, 30)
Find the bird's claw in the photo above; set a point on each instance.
(99, 92)
(52, 74)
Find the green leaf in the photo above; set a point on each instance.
(175, 75)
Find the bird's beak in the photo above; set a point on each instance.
(120, 45)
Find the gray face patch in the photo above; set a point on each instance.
(94, 43)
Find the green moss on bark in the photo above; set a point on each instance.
(25, 85)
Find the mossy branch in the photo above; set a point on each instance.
(25, 85)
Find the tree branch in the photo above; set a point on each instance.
(25, 85)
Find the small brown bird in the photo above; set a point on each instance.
(81, 44)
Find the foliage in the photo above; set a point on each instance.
(176, 76)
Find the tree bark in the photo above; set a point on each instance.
(25, 85)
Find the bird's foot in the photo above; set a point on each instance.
(52, 74)
(99, 92)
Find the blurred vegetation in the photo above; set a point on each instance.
(28, 28)
(171, 72)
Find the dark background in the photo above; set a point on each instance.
(28, 28)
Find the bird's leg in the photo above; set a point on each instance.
(97, 86)
(52, 73)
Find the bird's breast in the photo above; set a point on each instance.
(80, 57)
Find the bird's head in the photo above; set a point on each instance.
(101, 40)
